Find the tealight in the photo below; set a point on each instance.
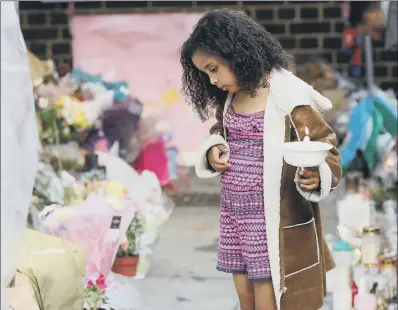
(305, 153)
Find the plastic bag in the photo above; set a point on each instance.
(118, 170)
(154, 158)
(19, 141)
(68, 154)
(48, 185)
(123, 295)
(156, 212)
(355, 211)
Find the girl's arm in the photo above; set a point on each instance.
(330, 171)
(202, 168)
(217, 128)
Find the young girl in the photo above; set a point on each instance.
(270, 230)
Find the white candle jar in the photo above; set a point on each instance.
(371, 244)
(389, 269)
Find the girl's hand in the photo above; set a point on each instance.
(309, 179)
(213, 155)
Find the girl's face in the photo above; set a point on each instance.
(220, 74)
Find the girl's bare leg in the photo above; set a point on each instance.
(264, 296)
(245, 291)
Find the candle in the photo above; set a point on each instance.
(307, 132)
(370, 245)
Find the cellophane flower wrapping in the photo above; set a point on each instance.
(155, 212)
(89, 224)
(153, 205)
(19, 142)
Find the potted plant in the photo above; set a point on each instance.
(127, 255)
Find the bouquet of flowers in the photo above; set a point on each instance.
(66, 109)
(94, 293)
(61, 121)
(90, 224)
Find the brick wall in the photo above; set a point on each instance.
(303, 28)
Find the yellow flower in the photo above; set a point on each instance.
(79, 119)
(116, 189)
(66, 132)
(63, 100)
(60, 102)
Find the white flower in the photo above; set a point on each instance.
(68, 111)
(67, 179)
(43, 103)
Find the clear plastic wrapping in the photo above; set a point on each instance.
(19, 141)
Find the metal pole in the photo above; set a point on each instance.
(369, 62)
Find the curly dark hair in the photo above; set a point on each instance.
(247, 47)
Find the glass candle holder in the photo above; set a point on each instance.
(371, 244)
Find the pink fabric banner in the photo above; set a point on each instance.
(144, 50)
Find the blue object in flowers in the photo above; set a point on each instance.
(83, 77)
(358, 131)
(172, 155)
(342, 246)
(120, 89)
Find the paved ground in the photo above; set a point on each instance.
(183, 275)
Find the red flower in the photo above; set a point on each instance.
(90, 284)
(100, 282)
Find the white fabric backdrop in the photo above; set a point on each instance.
(19, 141)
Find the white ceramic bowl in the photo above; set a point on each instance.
(305, 154)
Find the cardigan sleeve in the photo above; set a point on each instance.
(330, 171)
(216, 137)
(218, 127)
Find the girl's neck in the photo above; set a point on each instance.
(244, 104)
(260, 90)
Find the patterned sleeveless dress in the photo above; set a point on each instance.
(242, 247)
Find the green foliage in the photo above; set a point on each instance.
(132, 235)
(94, 297)
(379, 195)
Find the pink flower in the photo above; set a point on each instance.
(125, 246)
(100, 282)
(367, 194)
(90, 284)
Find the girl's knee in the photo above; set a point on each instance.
(246, 303)
(264, 296)
(246, 300)
(245, 291)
